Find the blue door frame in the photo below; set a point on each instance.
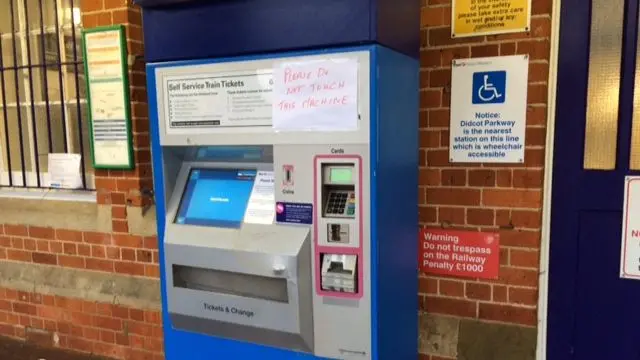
(592, 313)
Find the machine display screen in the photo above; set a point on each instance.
(341, 175)
(216, 197)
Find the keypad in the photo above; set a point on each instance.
(340, 203)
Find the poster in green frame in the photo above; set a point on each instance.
(105, 59)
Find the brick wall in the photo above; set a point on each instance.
(490, 197)
(115, 187)
(103, 328)
(114, 253)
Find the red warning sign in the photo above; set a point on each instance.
(460, 253)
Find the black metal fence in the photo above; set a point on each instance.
(43, 90)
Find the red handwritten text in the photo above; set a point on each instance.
(334, 85)
(291, 75)
(312, 88)
(313, 102)
(287, 105)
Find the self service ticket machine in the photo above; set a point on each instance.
(285, 177)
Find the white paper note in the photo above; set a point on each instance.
(261, 206)
(319, 95)
(64, 171)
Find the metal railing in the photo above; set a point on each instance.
(43, 91)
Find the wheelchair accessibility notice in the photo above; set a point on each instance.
(488, 109)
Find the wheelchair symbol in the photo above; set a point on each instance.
(489, 87)
(487, 91)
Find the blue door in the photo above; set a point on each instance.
(592, 313)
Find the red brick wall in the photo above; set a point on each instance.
(490, 197)
(121, 188)
(119, 253)
(105, 329)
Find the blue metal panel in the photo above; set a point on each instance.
(599, 302)
(572, 75)
(589, 313)
(204, 29)
(394, 194)
(397, 25)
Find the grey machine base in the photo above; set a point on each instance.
(240, 332)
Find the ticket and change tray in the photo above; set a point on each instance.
(230, 271)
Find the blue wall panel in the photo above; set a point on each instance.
(394, 157)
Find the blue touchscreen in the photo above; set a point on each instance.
(215, 197)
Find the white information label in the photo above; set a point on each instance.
(219, 100)
(488, 109)
(630, 249)
(261, 207)
(64, 171)
(316, 95)
(108, 99)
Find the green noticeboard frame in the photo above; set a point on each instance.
(106, 73)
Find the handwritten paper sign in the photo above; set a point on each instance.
(317, 95)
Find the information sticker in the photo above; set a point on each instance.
(294, 213)
(229, 99)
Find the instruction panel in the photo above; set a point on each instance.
(489, 109)
(489, 17)
(630, 254)
(219, 100)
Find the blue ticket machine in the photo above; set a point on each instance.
(285, 160)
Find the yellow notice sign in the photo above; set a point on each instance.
(489, 17)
